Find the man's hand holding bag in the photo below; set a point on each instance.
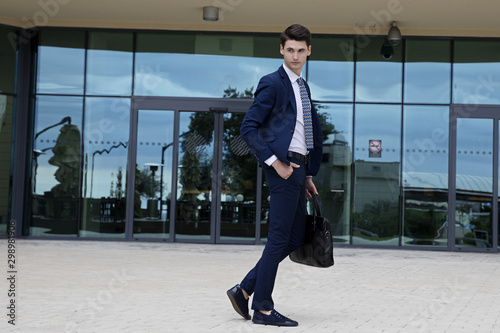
(318, 244)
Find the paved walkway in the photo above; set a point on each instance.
(84, 286)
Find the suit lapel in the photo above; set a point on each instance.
(288, 85)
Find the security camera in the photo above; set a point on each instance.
(387, 51)
(394, 41)
(394, 35)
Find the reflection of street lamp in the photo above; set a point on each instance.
(36, 154)
(153, 202)
(64, 120)
(153, 167)
(163, 149)
(162, 164)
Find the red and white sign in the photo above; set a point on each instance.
(375, 148)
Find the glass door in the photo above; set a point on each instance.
(237, 169)
(195, 179)
(474, 179)
(195, 171)
(153, 174)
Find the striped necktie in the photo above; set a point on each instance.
(306, 108)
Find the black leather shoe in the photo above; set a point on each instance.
(275, 318)
(240, 304)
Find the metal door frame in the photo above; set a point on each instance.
(178, 104)
(458, 111)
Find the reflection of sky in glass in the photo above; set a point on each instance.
(475, 147)
(427, 82)
(155, 131)
(476, 83)
(331, 80)
(378, 81)
(340, 115)
(106, 125)
(425, 141)
(50, 110)
(378, 122)
(60, 70)
(198, 75)
(109, 73)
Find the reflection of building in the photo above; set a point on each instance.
(427, 191)
(335, 175)
(378, 180)
(122, 84)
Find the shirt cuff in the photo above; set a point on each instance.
(309, 176)
(271, 160)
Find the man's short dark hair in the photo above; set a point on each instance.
(296, 32)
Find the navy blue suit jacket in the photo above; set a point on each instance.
(270, 122)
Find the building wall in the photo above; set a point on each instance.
(93, 77)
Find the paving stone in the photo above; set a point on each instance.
(92, 286)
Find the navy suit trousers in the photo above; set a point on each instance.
(286, 233)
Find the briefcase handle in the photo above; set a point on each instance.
(316, 209)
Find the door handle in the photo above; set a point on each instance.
(218, 110)
(337, 191)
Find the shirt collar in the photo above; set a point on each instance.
(291, 75)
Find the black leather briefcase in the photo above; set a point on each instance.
(318, 244)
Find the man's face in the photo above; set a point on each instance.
(295, 54)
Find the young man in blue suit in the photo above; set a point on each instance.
(277, 128)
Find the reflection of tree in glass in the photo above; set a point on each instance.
(327, 127)
(238, 165)
(190, 176)
(144, 183)
(118, 191)
(234, 93)
(195, 172)
(423, 223)
(478, 218)
(378, 220)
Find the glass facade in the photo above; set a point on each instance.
(153, 174)
(109, 63)
(56, 166)
(474, 186)
(334, 178)
(201, 65)
(8, 49)
(6, 122)
(425, 175)
(378, 79)
(105, 156)
(187, 175)
(427, 72)
(476, 72)
(331, 69)
(194, 175)
(61, 62)
(8, 58)
(238, 183)
(377, 158)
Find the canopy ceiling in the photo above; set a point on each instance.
(477, 18)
